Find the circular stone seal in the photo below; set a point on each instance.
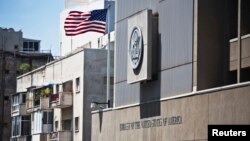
(135, 47)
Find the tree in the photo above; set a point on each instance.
(24, 67)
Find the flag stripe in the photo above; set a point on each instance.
(80, 27)
(79, 15)
(93, 30)
(84, 23)
(85, 27)
(77, 12)
(84, 31)
(74, 22)
(77, 19)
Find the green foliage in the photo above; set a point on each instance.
(37, 96)
(44, 92)
(24, 67)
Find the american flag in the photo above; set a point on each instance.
(78, 22)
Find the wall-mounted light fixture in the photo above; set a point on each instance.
(94, 104)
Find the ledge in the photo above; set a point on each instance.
(242, 37)
(178, 96)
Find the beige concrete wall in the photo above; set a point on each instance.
(90, 66)
(57, 117)
(230, 106)
(64, 70)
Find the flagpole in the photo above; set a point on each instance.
(71, 43)
(108, 60)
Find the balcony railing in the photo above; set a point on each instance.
(15, 108)
(21, 138)
(19, 109)
(61, 100)
(61, 136)
(33, 105)
(54, 97)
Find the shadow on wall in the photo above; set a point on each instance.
(151, 90)
(100, 120)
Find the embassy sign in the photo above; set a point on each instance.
(135, 47)
(139, 43)
(149, 123)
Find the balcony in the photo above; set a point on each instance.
(34, 105)
(61, 100)
(245, 52)
(38, 98)
(21, 128)
(61, 136)
(40, 137)
(21, 138)
(18, 107)
(17, 110)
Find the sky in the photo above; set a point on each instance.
(37, 19)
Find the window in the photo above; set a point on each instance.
(15, 100)
(76, 124)
(66, 124)
(6, 98)
(15, 103)
(36, 99)
(17, 72)
(23, 98)
(78, 84)
(67, 86)
(47, 117)
(16, 47)
(36, 46)
(30, 46)
(56, 125)
(16, 126)
(20, 125)
(25, 46)
(25, 129)
(32, 117)
(57, 88)
(7, 71)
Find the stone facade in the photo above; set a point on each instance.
(193, 113)
(195, 82)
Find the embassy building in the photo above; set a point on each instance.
(179, 67)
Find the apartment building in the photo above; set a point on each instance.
(180, 65)
(15, 52)
(53, 102)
